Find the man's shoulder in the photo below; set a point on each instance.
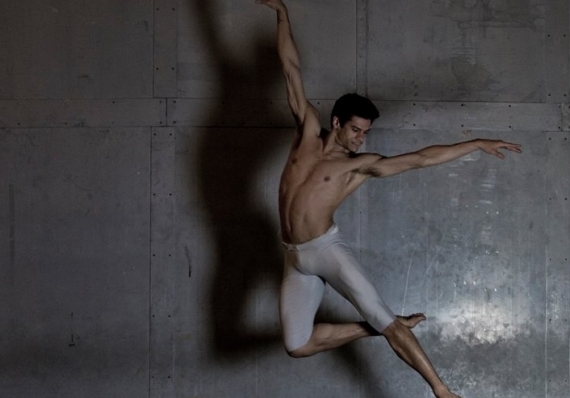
(311, 125)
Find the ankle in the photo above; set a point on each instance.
(442, 391)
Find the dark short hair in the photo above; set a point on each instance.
(350, 105)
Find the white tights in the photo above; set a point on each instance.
(308, 267)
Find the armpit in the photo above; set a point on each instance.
(370, 164)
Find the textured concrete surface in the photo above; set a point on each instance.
(140, 152)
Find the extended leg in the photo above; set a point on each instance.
(346, 275)
(406, 346)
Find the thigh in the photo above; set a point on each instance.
(340, 268)
(345, 274)
(300, 298)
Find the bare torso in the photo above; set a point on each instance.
(314, 182)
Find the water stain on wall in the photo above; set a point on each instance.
(475, 20)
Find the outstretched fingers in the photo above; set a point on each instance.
(492, 147)
(511, 146)
(498, 154)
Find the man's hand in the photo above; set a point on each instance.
(273, 4)
(492, 147)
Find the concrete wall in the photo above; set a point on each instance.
(140, 150)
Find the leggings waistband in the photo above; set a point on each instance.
(313, 243)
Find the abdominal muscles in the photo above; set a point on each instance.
(307, 210)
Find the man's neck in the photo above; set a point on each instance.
(331, 144)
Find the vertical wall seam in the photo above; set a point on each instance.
(556, 52)
(153, 51)
(12, 210)
(165, 48)
(150, 224)
(361, 46)
(361, 43)
(162, 234)
(557, 365)
(361, 77)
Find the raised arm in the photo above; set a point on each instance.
(291, 65)
(379, 166)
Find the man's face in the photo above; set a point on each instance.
(352, 135)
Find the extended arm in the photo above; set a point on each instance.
(434, 155)
(289, 57)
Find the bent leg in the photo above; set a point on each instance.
(327, 336)
(300, 298)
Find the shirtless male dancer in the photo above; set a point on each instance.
(321, 171)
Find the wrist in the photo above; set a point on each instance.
(477, 143)
(281, 9)
(282, 15)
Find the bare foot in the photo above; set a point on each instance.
(411, 320)
(446, 394)
(449, 394)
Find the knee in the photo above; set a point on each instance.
(299, 347)
(298, 353)
(307, 350)
(296, 344)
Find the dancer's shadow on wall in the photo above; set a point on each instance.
(231, 159)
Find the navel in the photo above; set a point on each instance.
(294, 160)
(327, 178)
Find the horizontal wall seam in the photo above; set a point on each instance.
(275, 113)
(394, 114)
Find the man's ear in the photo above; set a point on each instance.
(335, 122)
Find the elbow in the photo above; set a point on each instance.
(422, 161)
(290, 68)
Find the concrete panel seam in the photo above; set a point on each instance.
(162, 225)
(414, 115)
(565, 111)
(361, 46)
(12, 221)
(165, 68)
(83, 113)
(557, 51)
(557, 364)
